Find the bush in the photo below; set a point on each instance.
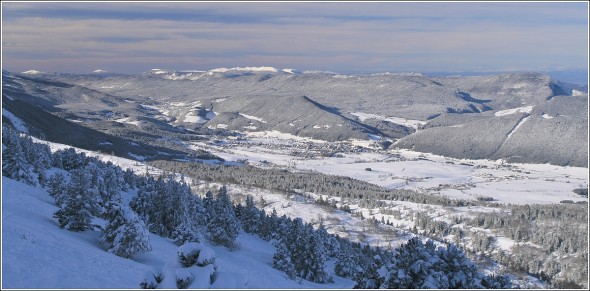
(188, 254)
(191, 254)
(183, 278)
(149, 281)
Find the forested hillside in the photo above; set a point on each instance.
(88, 191)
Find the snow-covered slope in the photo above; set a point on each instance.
(37, 254)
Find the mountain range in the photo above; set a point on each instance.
(518, 117)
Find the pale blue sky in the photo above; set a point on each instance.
(340, 37)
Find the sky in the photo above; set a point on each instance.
(340, 37)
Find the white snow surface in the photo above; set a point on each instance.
(290, 71)
(191, 117)
(422, 172)
(37, 254)
(159, 71)
(17, 122)
(578, 93)
(137, 157)
(524, 109)
(245, 69)
(32, 72)
(252, 117)
(126, 120)
(397, 120)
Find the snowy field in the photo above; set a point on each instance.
(427, 173)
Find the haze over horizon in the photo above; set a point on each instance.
(354, 38)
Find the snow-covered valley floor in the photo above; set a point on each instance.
(423, 172)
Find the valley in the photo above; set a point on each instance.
(464, 167)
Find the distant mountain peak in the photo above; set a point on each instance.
(33, 72)
(291, 71)
(158, 71)
(245, 69)
(405, 74)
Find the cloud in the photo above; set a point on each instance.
(328, 36)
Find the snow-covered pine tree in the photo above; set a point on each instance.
(131, 179)
(315, 268)
(371, 278)
(273, 224)
(57, 187)
(56, 184)
(14, 162)
(208, 204)
(126, 234)
(113, 184)
(264, 227)
(250, 216)
(68, 159)
(330, 243)
(282, 260)
(295, 238)
(496, 282)
(223, 226)
(185, 232)
(38, 155)
(142, 202)
(418, 265)
(116, 219)
(76, 209)
(161, 208)
(189, 215)
(411, 267)
(460, 271)
(348, 262)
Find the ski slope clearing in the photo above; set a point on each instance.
(397, 120)
(524, 109)
(32, 243)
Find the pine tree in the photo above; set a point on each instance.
(113, 184)
(40, 158)
(185, 232)
(411, 267)
(14, 163)
(282, 260)
(125, 234)
(460, 271)
(223, 226)
(348, 263)
(57, 187)
(251, 216)
(143, 202)
(76, 210)
(68, 159)
(315, 269)
(208, 204)
(190, 214)
(371, 278)
(496, 282)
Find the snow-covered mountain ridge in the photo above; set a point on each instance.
(327, 106)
